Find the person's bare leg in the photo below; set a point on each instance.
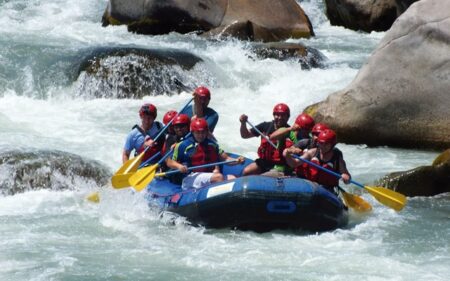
(251, 169)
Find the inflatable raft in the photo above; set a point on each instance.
(258, 203)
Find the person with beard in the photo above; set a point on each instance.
(269, 157)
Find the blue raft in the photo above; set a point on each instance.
(257, 203)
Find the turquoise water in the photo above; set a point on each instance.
(49, 235)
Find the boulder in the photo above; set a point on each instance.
(130, 72)
(307, 57)
(365, 15)
(422, 181)
(400, 97)
(261, 20)
(21, 171)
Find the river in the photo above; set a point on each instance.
(58, 235)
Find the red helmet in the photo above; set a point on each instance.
(169, 116)
(148, 109)
(182, 119)
(304, 121)
(282, 108)
(203, 92)
(198, 125)
(327, 136)
(319, 127)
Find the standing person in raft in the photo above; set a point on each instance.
(142, 136)
(199, 150)
(200, 109)
(269, 157)
(325, 155)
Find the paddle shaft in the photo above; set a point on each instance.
(144, 164)
(195, 167)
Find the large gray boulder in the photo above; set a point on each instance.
(401, 97)
(365, 15)
(22, 171)
(260, 20)
(131, 72)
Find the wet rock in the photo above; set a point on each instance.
(421, 181)
(400, 97)
(128, 72)
(377, 15)
(306, 56)
(22, 171)
(263, 20)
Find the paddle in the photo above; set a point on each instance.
(142, 177)
(355, 202)
(194, 167)
(132, 164)
(383, 195)
(121, 180)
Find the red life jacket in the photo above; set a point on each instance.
(267, 152)
(204, 153)
(302, 170)
(322, 177)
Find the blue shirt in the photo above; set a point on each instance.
(135, 138)
(211, 116)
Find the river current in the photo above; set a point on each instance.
(59, 235)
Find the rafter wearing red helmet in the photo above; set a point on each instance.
(201, 109)
(269, 157)
(327, 156)
(299, 133)
(196, 150)
(180, 126)
(142, 136)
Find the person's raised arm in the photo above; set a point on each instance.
(281, 133)
(245, 132)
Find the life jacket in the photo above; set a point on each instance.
(321, 177)
(302, 170)
(273, 155)
(203, 153)
(152, 150)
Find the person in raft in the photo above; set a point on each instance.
(142, 136)
(199, 150)
(200, 109)
(166, 119)
(180, 126)
(299, 133)
(269, 157)
(325, 155)
(304, 145)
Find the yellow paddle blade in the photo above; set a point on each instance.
(121, 180)
(387, 197)
(93, 197)
(142, 177)
(131, 165)
(357, 203)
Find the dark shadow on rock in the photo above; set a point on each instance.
(421, 181)
(56, 170)
(131, 72)
(306, 56)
